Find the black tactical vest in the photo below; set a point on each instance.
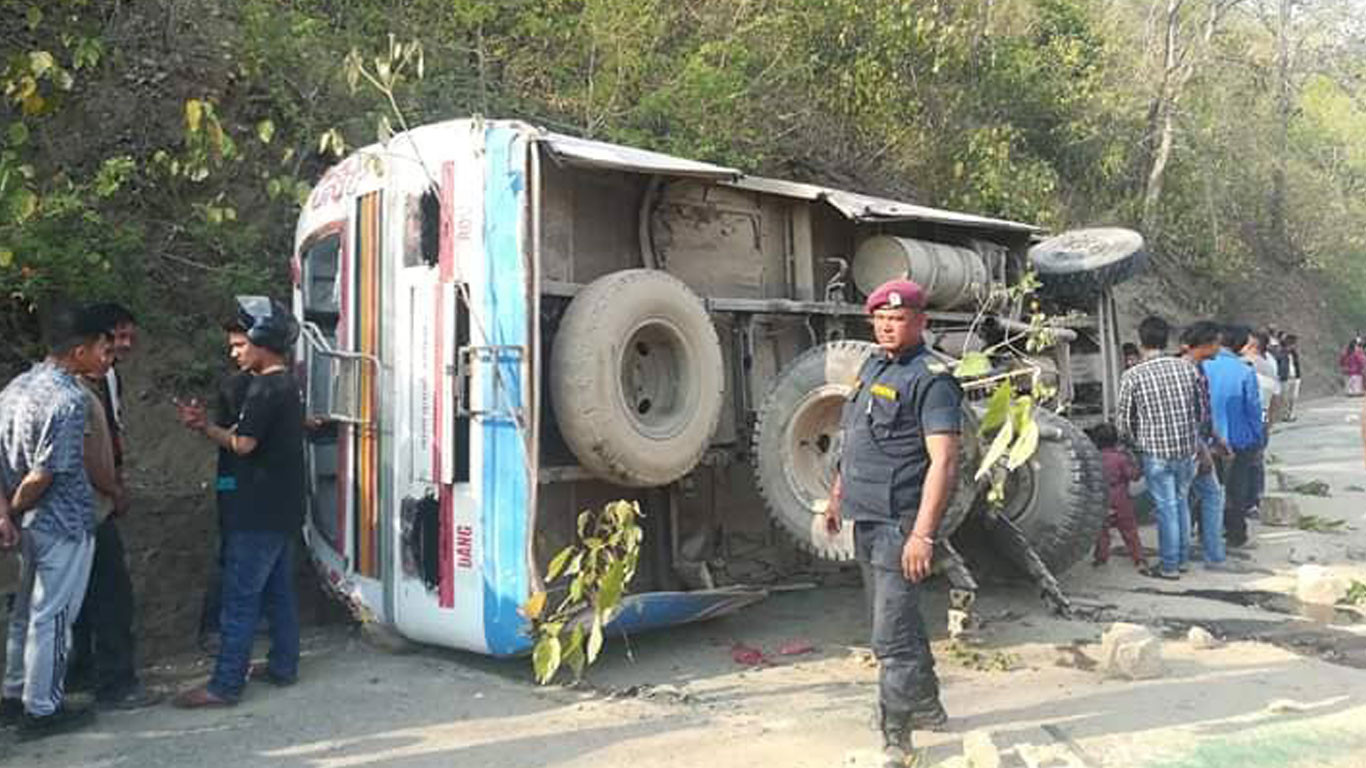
(884, 458)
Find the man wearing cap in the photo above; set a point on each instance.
(897, 470)
(260, 527)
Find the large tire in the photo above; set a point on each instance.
(1058, 498)
(636, 378)
(1077, 265)
(797, 444)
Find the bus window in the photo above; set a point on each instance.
(321, 263)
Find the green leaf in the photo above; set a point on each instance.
(17, 134)
(1021, 412)
(545, 658)
(612, 586)
(973, 364)
(6, 258)
(595, 639)
(1024, 446)
(575, 564)
(40, 63)
(998, 448)
(34, 17)
(25, 205)
(265, 131)
(998, 409)
(558, 563)
(573, 654)
(194, 115)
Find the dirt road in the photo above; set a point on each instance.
(1283, 690)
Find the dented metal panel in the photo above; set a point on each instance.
(866, 208)
(599, 154)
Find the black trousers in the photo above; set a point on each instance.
(102, 648)
(1240, 493)
(906, 679)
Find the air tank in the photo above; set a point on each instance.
(952, 276)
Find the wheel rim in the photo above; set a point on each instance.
(656, 392)
(812, 444)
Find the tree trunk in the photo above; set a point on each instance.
(1279, 241)
(1160, 120)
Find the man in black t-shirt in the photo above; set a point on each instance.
(262, 521)
(232, 391)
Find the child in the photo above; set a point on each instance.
(1120, 470)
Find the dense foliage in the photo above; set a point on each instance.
(156, 150)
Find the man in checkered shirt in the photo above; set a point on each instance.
(1160, 412)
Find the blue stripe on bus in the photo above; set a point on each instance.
(503, 510)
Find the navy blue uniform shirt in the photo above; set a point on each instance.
(884, 461)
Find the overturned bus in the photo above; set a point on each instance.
(510, 325)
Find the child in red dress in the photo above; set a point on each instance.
(1120, 470)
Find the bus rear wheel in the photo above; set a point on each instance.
(797, 444)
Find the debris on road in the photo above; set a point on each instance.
(982, 661)
(980, 751)
(1201, 640)
(1073, 657)
(1319, 524)
(1313, 488)
(1317, 585)
(1278, 510)
(1131, 651)
(750, 657)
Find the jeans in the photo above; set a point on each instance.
(1209, 494)
(258, 576)
(1169, 483)
(102, 649)
(906, 679)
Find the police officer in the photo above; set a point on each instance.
(897, 471)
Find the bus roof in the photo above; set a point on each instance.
(572, 150)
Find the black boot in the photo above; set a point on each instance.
(896, 738)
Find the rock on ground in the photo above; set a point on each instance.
(980, 751)
(1318, 585)
(1130, 651)
(1201, 639)
(1278, 510)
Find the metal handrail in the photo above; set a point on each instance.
(347, 379)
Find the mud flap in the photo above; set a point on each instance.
(652, 610)
(1008, 539)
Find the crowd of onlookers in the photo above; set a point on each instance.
(1193, 425)
(62, 495)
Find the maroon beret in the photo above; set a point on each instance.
(896, 293)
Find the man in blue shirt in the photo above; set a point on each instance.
(1237, 409)
(43, 474)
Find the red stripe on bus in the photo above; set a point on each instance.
(446, 271)
(446, 585)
